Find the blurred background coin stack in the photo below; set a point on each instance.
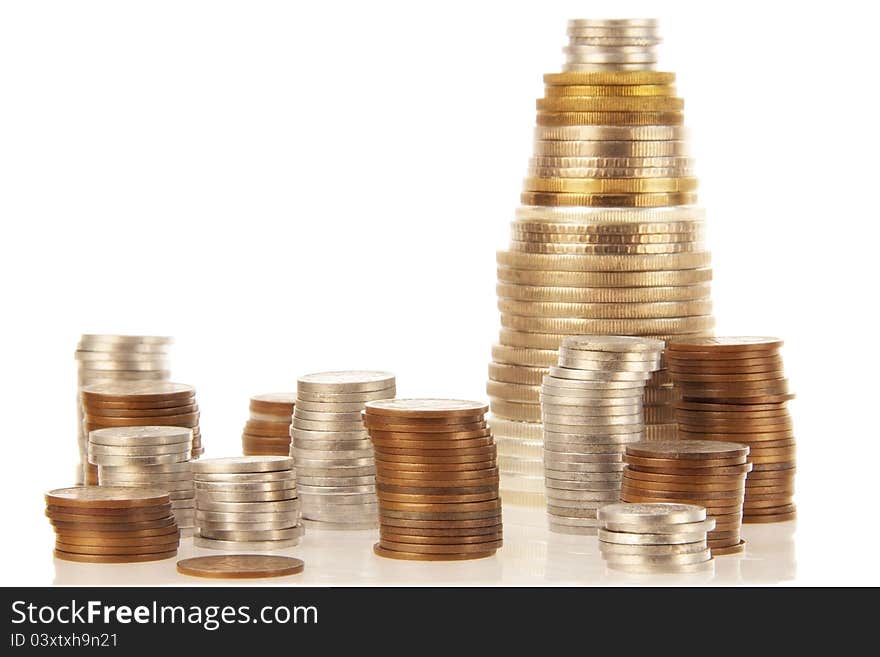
(701, 472)
(332, 449)
(98, 524)
(267, 430)
(591, 405)
(608, 239)
(437, 479)
(734, 389)
(655, 538)
(111, 358)
(140, 404)
(148, 457)
(246, 503)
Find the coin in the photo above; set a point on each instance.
(240, 566)
(241, 464)
(346, 381)
(425, 408)
(214, 544)
(106, 497)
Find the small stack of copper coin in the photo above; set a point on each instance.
(734, 389)
(138, 404)
(110, 524)
(706, 473)
(267, 431)
(437, 479)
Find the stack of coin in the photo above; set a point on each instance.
(267, 431)
(104, 524)
(148, 457)
(332, 450)
(437, 479)
(623, 44)
(246, 503)
(140, 404)
(655, 537)
(591, 405)
(708, 473)
(608, 239)
(735, 389)
(110, 358)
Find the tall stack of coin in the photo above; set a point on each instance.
(735, 389)
(140, 404)
(332, 449)
(267, 430)
(98, 524)
(111, 358)
(655, 537)
(437, 479)
(246, 503)
(708, 473)
(591, 405)
(608, 239)
(148, 457)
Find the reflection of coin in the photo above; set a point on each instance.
(240, 566)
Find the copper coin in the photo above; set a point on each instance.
(691, 450)
(140, 391)
(762, 450)
(683, 487)
(106, 496)
(159, 420)
(77, 535)
(769, 511)
(733, 549)
(756, 379)
(724, 345)
(466, 511)
(240, 566)
(116, 549)
(435, 484)
(774, 467)
(779, 517)
(734, 388)
(474, 456)
(769, 490)
(134, 404)
(460, 548)
(443, 478)
(393, 453)
(414, 428)
(143, 413)
(730, 481)
(758, 507)
(464, 526)
(283, 433)
(426, 408)
(264, 442)
(258, 425)
(107, 520)
(447, 498)
(273, 402)
(100, 540)
(732, 415)
(726, 470)
(727, 398)
(772, 474)
(754, 366)
(454, 532)
(64, 525)
(438, 445)
(686, 434)
(786, 457)
(264, 451)
(386, 536)
(388, 468)
(682, 464)
(431, 489)
(727, 408)
(414, 556)
(430, 423)
(377, 434)
(716, 497)
(114, 558)
(744, 426)
(117, 512)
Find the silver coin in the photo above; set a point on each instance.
(582, 486)
(557, 494)
(654, 550)
(168, 470)
(579, 349)
(345, 381)
(238, 546)
(594, 430)
(583, 510)
(109, 473)
(573, 362)
(598, 55)
(84, 356)
(346, 398)
(328, 416)
(582, 447)
(601, 376)
(549, 408)
(556, 467)
(283, 506)
(103, 459)
(577, 67)
(337, 481)
(337, 499)
(560, 477)
(153, 435)
(219, 518)
(332, 463)
(306, 436)
(124, 364)
(342, 514)
(575, 521)
(658, 513)
(649, 539)
(332, 445)
(306, 471)
(239, 464)
(270, 525)
(658, 560)
(345, 488)
(706, 525)
(253, 535)
(270, 417)
(551, 417)
(340, 454)
(558, 441)
(329, 407)
(614, 41)
(340, 526)
(570, 529)
(564, 401)
(245, 477)
(325, 425)
(598, 389)
(249, 496)
(245, 487)
(583, 457)
(614, 343)
(138, 450)
(612, 133)
(181, 495)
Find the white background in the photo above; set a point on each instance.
(296, 186)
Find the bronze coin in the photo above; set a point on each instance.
(435, 484)
(715, 497)
(727, 550)
(144, 412)
(413, 556)
(686, 434)
(474, 456)
(116, 549)
(443, 478)
(727, 408)
(77, 535)
(123, 512)
(114, 558)
(387, 467)
(63, 526)
(414, 428)
(107, 520)
(731, 481)
(770, 510)
(264, 451)
(712, 506)
(133, 404)
(240, 566)
(99, 540)
(771, 502)
(439, 421)
(377, 434)
(769, 490)
(757, 366)
(693, 380)
(273, 402)
(392, 453)
(774, 467)
(724, 345)
(779, 517)
(137, 391)
(106, 497)
(726, 470)
(693, 450)
(392, 537)
(746, 427)
(430, 489)
(460, 548)
(683, 487)
(283, 433)
(425, 408)
(732, 415)
(682, 464)
(725, 397)
(416, 530)
(438, 445)
(452, 526)
(160, 420)
(387, 497)
(462, 507)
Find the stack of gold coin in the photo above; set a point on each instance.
(617, 44)
(108, 524)
(591, 405)
(140, 404)
(437, 479)
(609, 239)
(332, 449)
(111, 358)
(703, 472)
(267, 430)
(148, 457)
(655, 537)
(734, 388)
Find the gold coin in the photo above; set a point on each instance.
(609, 77)
(589, 280)
(661, 309)
(535, 357)
(610, 118)
(609, 132)
(514, 392)
(607, 200)
(611, 185)
(515, 411)
(584, 326)
(560, 162)
(610, 104)
(575, 215)
(533, 376)
(546, 340)
(602, 263)
(614, 172)
(606, 249)
(550, 148)
(614, 90)
(602, 294)
(590, 231)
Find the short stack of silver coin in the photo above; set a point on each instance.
(246, 503)
(335, 466)
(611, 45)
(591, 406)
(110, 358)
(655, 538)
(148, 457)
